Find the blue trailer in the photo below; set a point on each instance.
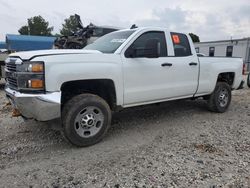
(28, 42)
(15, 43)
(3, 45)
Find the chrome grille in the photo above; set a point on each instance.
(12, 83)
(11, 67)
(11, 79)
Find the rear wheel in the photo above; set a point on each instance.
(86, 119)
(220, 99)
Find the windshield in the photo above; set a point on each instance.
(111, 42)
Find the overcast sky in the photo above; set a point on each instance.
(210, 19)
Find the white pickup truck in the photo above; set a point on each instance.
(122, 69)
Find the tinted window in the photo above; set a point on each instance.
(111, 42)
(229, 51)
(211, 51)
(181, 45)
(141, 43)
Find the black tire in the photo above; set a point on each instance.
(214, 101)
(248, 80)
(73, 108)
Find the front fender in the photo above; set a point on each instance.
(66, 68)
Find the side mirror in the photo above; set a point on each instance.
(131, 53)
(152, 49)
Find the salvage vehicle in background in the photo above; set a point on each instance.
(83, 36)
(122, 69)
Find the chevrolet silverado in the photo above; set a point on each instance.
(122, 69)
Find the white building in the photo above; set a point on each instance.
(226, 48)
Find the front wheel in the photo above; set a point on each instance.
(220, 99)
(86, 119)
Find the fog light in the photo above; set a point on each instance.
(36, 84)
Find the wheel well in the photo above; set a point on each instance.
(227, 77)
(104, 88)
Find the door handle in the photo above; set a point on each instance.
(193, 64)
(167, 65)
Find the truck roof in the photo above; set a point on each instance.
(152, 29)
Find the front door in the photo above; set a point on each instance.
(154, 79)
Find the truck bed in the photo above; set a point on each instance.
(211, 67)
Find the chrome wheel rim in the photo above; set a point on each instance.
(89, 121)
(223, 98)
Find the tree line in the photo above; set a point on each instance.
(37, 25)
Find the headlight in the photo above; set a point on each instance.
(36, 67)
(30, 77)
(25, 76)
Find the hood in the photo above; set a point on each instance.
(32, 54)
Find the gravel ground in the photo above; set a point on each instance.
(175, 144)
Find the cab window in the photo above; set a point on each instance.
(140, 44)
(181, 45)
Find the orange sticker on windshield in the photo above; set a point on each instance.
(176, 39)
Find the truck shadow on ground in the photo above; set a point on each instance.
(162, 112)
(40, 137)
(143, 116)
(138, 118)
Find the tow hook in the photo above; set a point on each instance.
(16, 113)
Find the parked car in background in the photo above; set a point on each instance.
(122, 69)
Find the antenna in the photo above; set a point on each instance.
(134, 26)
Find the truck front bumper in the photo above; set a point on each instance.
(41, 107)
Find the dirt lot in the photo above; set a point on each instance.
(176, 144)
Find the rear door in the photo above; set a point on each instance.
(184, 73)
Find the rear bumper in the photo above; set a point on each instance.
(41, 107)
